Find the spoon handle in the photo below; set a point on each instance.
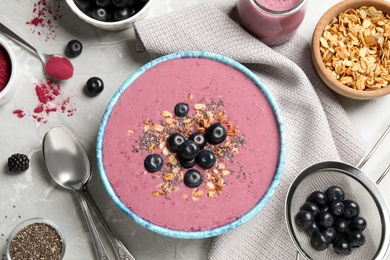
(17, 38)
(97, 242)
(120, 250)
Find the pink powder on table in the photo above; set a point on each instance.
(44, 15)
(50, 99)
(5, 68)
(59, 68)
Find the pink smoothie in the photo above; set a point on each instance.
(249, 156)
(271, 21)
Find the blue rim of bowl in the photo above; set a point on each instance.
(202, 233)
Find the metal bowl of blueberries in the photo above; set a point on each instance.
(113, 15)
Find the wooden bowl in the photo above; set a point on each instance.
(323, 72)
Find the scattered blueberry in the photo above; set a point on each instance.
(187, 164)
(351, 209)
(18, 162)
(94, 86)
(206, 159)
(175, 141)
(341, 247)
(193, 178)
(181, 109)
(73, 48)
(199, 139)
(319, 241)
(188, 150)
(100, 14)
(304, 219)
(216, 133)
(319, 198)
(153, 162)
(334, 193)
(357, 224)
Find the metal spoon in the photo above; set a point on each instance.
(45, 58)
(69, 165)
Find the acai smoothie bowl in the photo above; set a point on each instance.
(191, 145)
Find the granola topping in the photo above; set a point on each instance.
(202, 114)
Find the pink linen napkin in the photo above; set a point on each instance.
(317, 127)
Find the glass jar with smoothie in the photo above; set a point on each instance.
(271, 21)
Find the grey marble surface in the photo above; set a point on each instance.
(111, 56)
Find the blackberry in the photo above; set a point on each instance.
(18, 162)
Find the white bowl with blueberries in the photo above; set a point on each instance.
(113, 15)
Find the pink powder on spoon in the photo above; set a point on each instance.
(59, 67)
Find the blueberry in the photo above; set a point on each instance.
(358, 224)
(199, 139)
(189, 150)
(319, 198)
(216, 133)
(187, 164)
(175, 141)
(319, 241)
(193, 178)
(120, 3)
(341, 225)
(123, 13)
(206, 159)
(102, 3)
(73, 48)
(324, 220)
(351, 209)
(94, 86)
(83, 5)
(181, 109)
(330, 234)
(356, 239)
(341, 246)
(334, 193)
(153, 162)
(336, 208)
(304, 219)
(100, 14)
(313, 228)
(312, 207)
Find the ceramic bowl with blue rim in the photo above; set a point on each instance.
(191, 145)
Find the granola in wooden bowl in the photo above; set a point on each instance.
(351, 48)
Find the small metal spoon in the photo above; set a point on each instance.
(42, 56)
(69, 165)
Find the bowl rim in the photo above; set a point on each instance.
(11, 80)
(28, 222)
(202, 233)
(101, 24)
(323, 72)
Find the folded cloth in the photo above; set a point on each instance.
(317, 128)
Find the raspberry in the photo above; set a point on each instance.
(18, 162)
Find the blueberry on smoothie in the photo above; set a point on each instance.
(189, 150)
(153, 162)
(175, 141)
(181, 109)
(199, 139)
(193, 178)
(216, 133)
(206, 159)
